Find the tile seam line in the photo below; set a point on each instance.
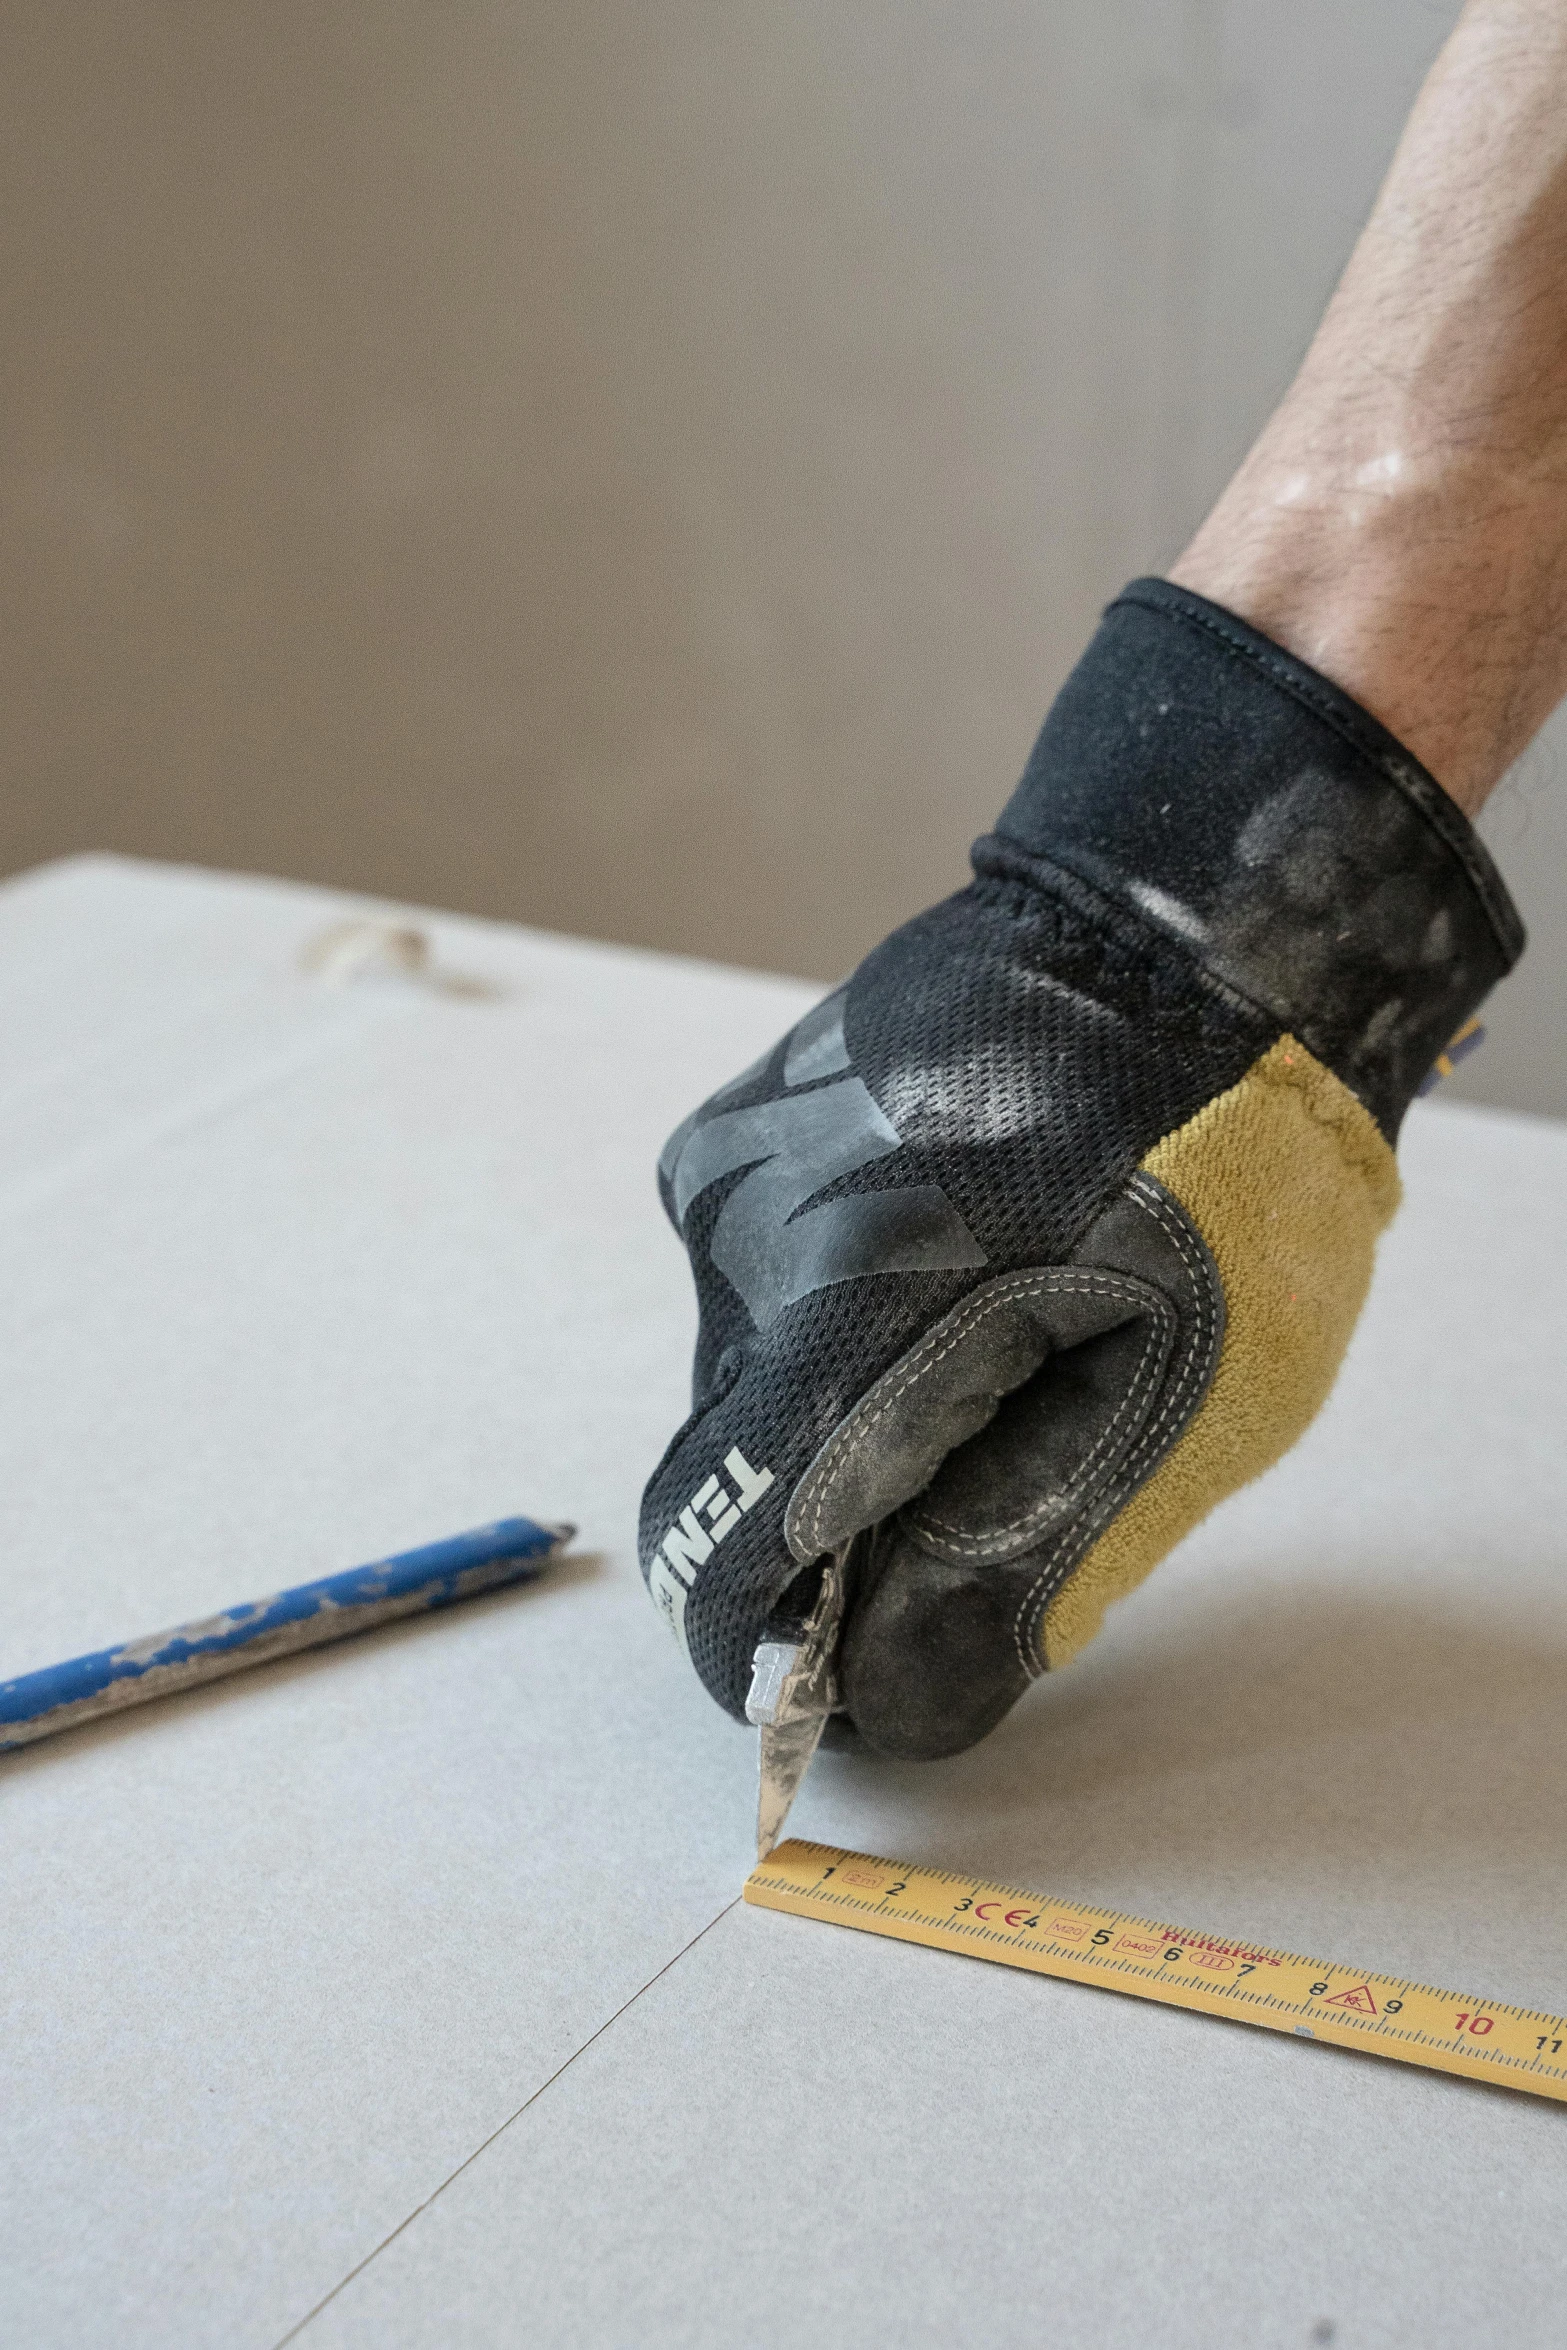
(501, 2128)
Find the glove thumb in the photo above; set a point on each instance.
(981, 1466)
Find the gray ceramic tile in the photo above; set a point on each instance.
(1334, 1721)
(809, 2140)
(278, 1960)
(276, 1957)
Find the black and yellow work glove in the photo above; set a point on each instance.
(1049, 1228)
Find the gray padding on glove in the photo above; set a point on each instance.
(990, 1455)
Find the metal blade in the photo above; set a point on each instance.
(792, 1694)
(786, 1751)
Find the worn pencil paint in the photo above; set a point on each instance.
(57, 1697)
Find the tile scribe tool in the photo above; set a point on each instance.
(58, 1697)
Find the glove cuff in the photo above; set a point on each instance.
(1194, 772)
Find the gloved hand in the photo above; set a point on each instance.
(1049, 1227)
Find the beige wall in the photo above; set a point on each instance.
(638, 468)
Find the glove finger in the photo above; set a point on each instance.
(947, 1591)
(749, 1494)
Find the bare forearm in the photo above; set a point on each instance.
(1402, 521)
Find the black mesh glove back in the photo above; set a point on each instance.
(1049, 1228)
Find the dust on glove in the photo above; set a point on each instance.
(1049, 1228)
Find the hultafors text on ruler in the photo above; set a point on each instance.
(1348, 2007)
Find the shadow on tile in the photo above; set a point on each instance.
(1312, 1752)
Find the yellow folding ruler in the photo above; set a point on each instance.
(1242, 1980)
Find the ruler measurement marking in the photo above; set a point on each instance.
(796, 1879)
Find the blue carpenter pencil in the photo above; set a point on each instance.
(58, 1697)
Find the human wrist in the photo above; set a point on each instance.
(1429, 590)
